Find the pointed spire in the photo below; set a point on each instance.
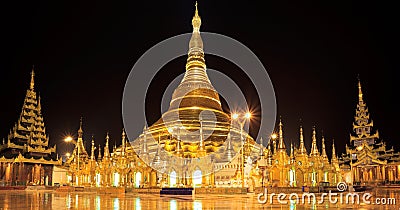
(80, 131)
(123, 141)
(106, 148)
(99, 156)
(39, 105)
(195, 65)
(333, 149)
(302, 148)
(32, 85)
(92, 149)
(281, 145)
(323, 148)
(314, 148)
(291, 151)
(360, 95)
(196, 21)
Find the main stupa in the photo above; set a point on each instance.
(195, 124)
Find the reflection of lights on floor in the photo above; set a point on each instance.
(197, 205)
(292, 204)
(173, 205)
(68, 204)
(116, 204)
(76, 201)
(137, 204)
(97, 202)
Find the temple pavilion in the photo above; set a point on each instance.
(26, 158)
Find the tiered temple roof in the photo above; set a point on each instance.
(27, 140)
(366, 149)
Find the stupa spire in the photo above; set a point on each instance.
(302, 148)
(92, 149)
(99, 156)
(314, 148)
(80, 143)
(32, 85)
(194, 95)
(106, 148)
(195, 64)
(196, 21)
(80, 131)
(333, 151)
(360, 95)
(323, 149)
(291, 153)
(123, 141)
(281, 144)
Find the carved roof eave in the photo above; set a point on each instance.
(13, 146)
(21, 159)
(376, 161)
(40, 149)
(354, 138)
(371, 124)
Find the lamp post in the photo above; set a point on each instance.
(242, 119)
(70, 139)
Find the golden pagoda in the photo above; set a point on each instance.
(196, 143)
(195, 125)
(26, 157)
(194, 95)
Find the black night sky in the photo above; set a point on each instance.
(83, 52)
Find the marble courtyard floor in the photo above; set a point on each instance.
(32, 200)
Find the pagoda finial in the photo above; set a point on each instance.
(314, 148)
(196, 21)
(32, 85)
(39, 106)
(302, 148)
(281, 144)
(291, 150)
(323, 148)
(99, 156)
(92, 149)
(360, 95)
(196, 54)
(80, 131)
(333, 149)
(123, 139)
(106, 148)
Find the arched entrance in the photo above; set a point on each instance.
(116, 179)
(197, 177)
(172, 179)
(138, 179)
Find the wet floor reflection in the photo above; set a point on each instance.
(38, 200)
